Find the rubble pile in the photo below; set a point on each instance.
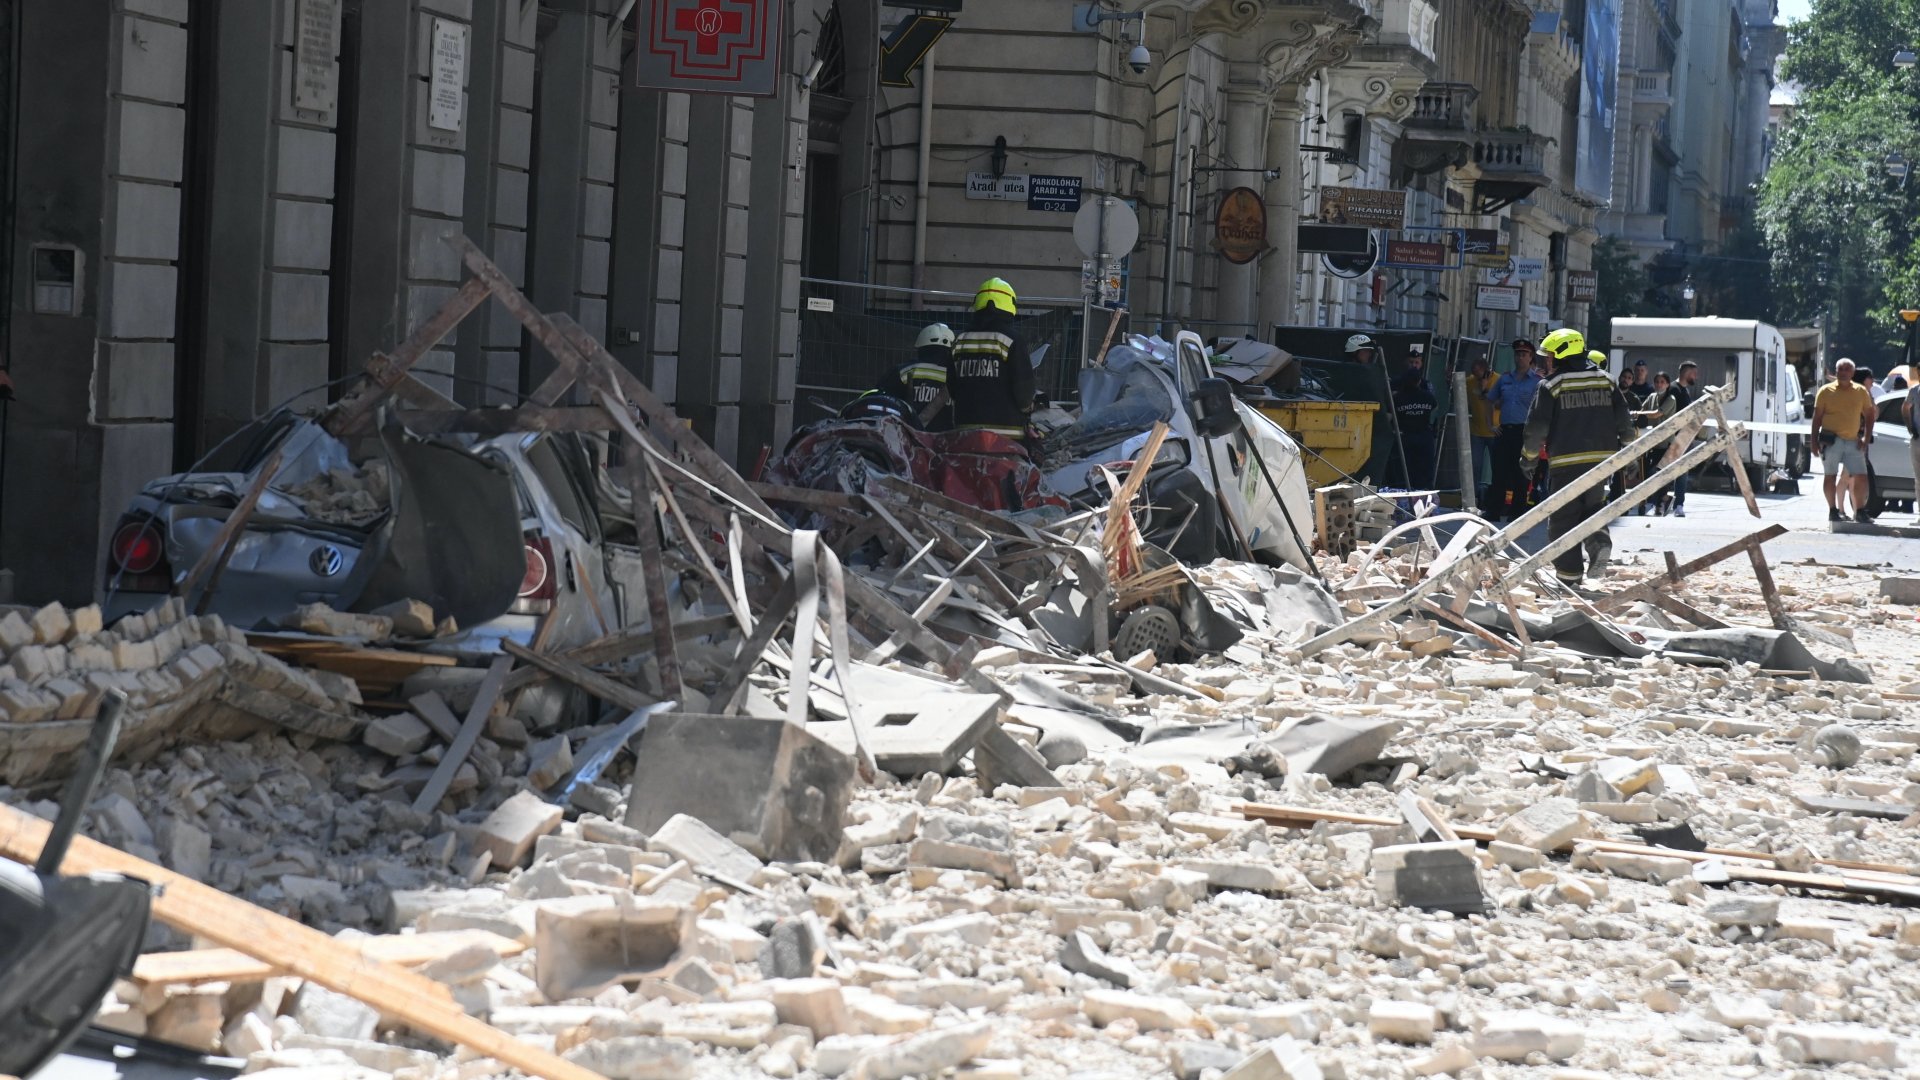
(1134, 920)
(347, 496)
(183, 675)
(1045, 802)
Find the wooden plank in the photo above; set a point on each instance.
(232, 965)
(1829, 804)
(1734, 464)
(617, 694)
(726, 697)
(1776, 607)
(1302, 817)
(456, 754)
(1471, 627)
(433, 711)
(807, 497)
(213, 559)
(1670, 603)
(1605, 516)
(504, 421)
(356, 407)
(194, 908)
(646, 528)
(619, 645)
(1618, 602)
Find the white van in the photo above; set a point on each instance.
(1750, 355)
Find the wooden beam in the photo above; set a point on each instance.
(387, 374)
(213, 560)
(498, 421)
(617, 694)
(231, 965)
(187, 905)
(619, 645)
(726, 695)
(1618, 602)
(1776, 607)
(456, 755)
(433, 711)
(1672, 604)
(1734, 464)
(1605, 516)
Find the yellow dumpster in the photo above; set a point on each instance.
(1340, 434)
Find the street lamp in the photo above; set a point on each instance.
(1904, 57)
(1897, 166)
(1687, 293)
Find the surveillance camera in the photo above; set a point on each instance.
(1139, 59)
(813, 74)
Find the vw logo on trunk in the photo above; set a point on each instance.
(326, 560)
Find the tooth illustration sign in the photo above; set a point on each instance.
(716, 46)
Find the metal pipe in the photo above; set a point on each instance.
(1173, 202)
(920, 194)
(1463, 434)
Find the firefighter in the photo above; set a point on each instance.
(1413, 404)
(922, 381)
(990, 376)
(1581, 413)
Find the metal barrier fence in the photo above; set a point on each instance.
(850, 334)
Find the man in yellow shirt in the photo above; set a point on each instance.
(1842, 427)
(1484, 417)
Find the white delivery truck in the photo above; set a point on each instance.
(1752, 356)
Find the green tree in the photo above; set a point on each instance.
(1621, 289)
(1840, 229)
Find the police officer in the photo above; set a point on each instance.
(991, 373)
(1581, 414)
(1414, 404)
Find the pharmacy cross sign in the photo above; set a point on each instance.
(721, 46)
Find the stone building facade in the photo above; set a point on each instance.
(251, 197)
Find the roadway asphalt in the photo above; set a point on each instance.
(1715, 519)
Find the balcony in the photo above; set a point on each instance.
(1439, 131)
(1512, 164)
(1409, 24)
(1653, 88)
(1443, 107)
(1669, 22)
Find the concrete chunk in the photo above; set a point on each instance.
(690, 839)
(635, 1057)
(814, 1004)
(1079, 954)
(1442, 876)
(410, 618)
(1402, 1021)
(1511, 1036)
(51, 624)
(509, 832)
(397, 735)
(549, 761)
(929, 1053)
(1104, 1007)
(1281, 1059)
(1838, 1044)
(1547, 825)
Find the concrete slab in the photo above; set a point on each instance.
(911, 726)
(762, 777)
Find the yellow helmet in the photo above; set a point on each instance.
(995, 292)
(1598, 359)
(1563, 343)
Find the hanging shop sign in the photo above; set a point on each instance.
(712, 46)
(1240, 226)
(1370, 207)
(1583, 286)
(1498, 297)
(1423, 249)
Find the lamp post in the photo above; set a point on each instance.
(1905, 58)
(1689, 294)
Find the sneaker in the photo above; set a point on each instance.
(1597, 560)
(1863, 518)
(1834, 514)
(1679, 511)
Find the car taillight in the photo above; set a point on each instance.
(538, 582)
(136, 548)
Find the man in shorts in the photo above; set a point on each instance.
(1843, 417)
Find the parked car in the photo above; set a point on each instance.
(1891, 455)
(499, 533)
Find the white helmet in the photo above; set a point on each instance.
(1358, 342)
(937, 334)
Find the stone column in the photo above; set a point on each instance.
(1280, 268)
(1246, 148)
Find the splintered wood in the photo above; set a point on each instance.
(1120, 539)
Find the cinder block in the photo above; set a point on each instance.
(151, 140)
(137, 300)
(144, 220)
(509, 832)
(743, 774)
(302, 235)
(439, 182)
(298, 307)
(152, 61)
(303, 161)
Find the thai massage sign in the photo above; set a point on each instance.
(1240, 227)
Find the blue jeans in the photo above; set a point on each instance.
(1680, 490)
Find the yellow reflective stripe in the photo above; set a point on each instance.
(984, 348)
(1586, 457)
(929, 372)
(1012, 432)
